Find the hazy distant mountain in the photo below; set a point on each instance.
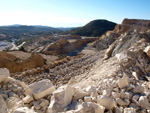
(66, 28)
(15, 25)
(93, 28)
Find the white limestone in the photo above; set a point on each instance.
(3, 106)
(40, 89)
(107, 102)
(4, 73)
(61, 98)
(123, 82)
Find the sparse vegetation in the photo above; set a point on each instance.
(22, 49)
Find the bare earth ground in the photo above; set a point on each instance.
(21, 55)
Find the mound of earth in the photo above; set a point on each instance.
(21, 62)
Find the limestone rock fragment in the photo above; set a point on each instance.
(3, 106)
(123, 82)
(143, 102)
(27, 99)
(129, 110)
(40, 89)
(107, 102)
(61, 98)
(24, 110)
(4, 73)
(138, 89)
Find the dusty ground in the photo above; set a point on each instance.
(21, 55)
(49, 58)
(89, 49)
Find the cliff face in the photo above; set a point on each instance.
(132, 24)
(16, 65)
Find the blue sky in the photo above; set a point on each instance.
(70, 13)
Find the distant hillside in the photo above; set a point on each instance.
(93, 28)
(66, 28)
(17, 31)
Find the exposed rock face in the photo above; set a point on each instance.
(125, 41)
(132, 24)
(15, 65)
(125, 35)
(63, 46)
(106, 40)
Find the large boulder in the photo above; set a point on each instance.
(4, 73)
(61, 98)
(40, 89)
(3, 106)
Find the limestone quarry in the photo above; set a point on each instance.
(113, 79)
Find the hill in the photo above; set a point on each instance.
(93, 28)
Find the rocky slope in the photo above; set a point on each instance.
(128, 25)
(115, 80)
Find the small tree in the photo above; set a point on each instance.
(21, 49)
